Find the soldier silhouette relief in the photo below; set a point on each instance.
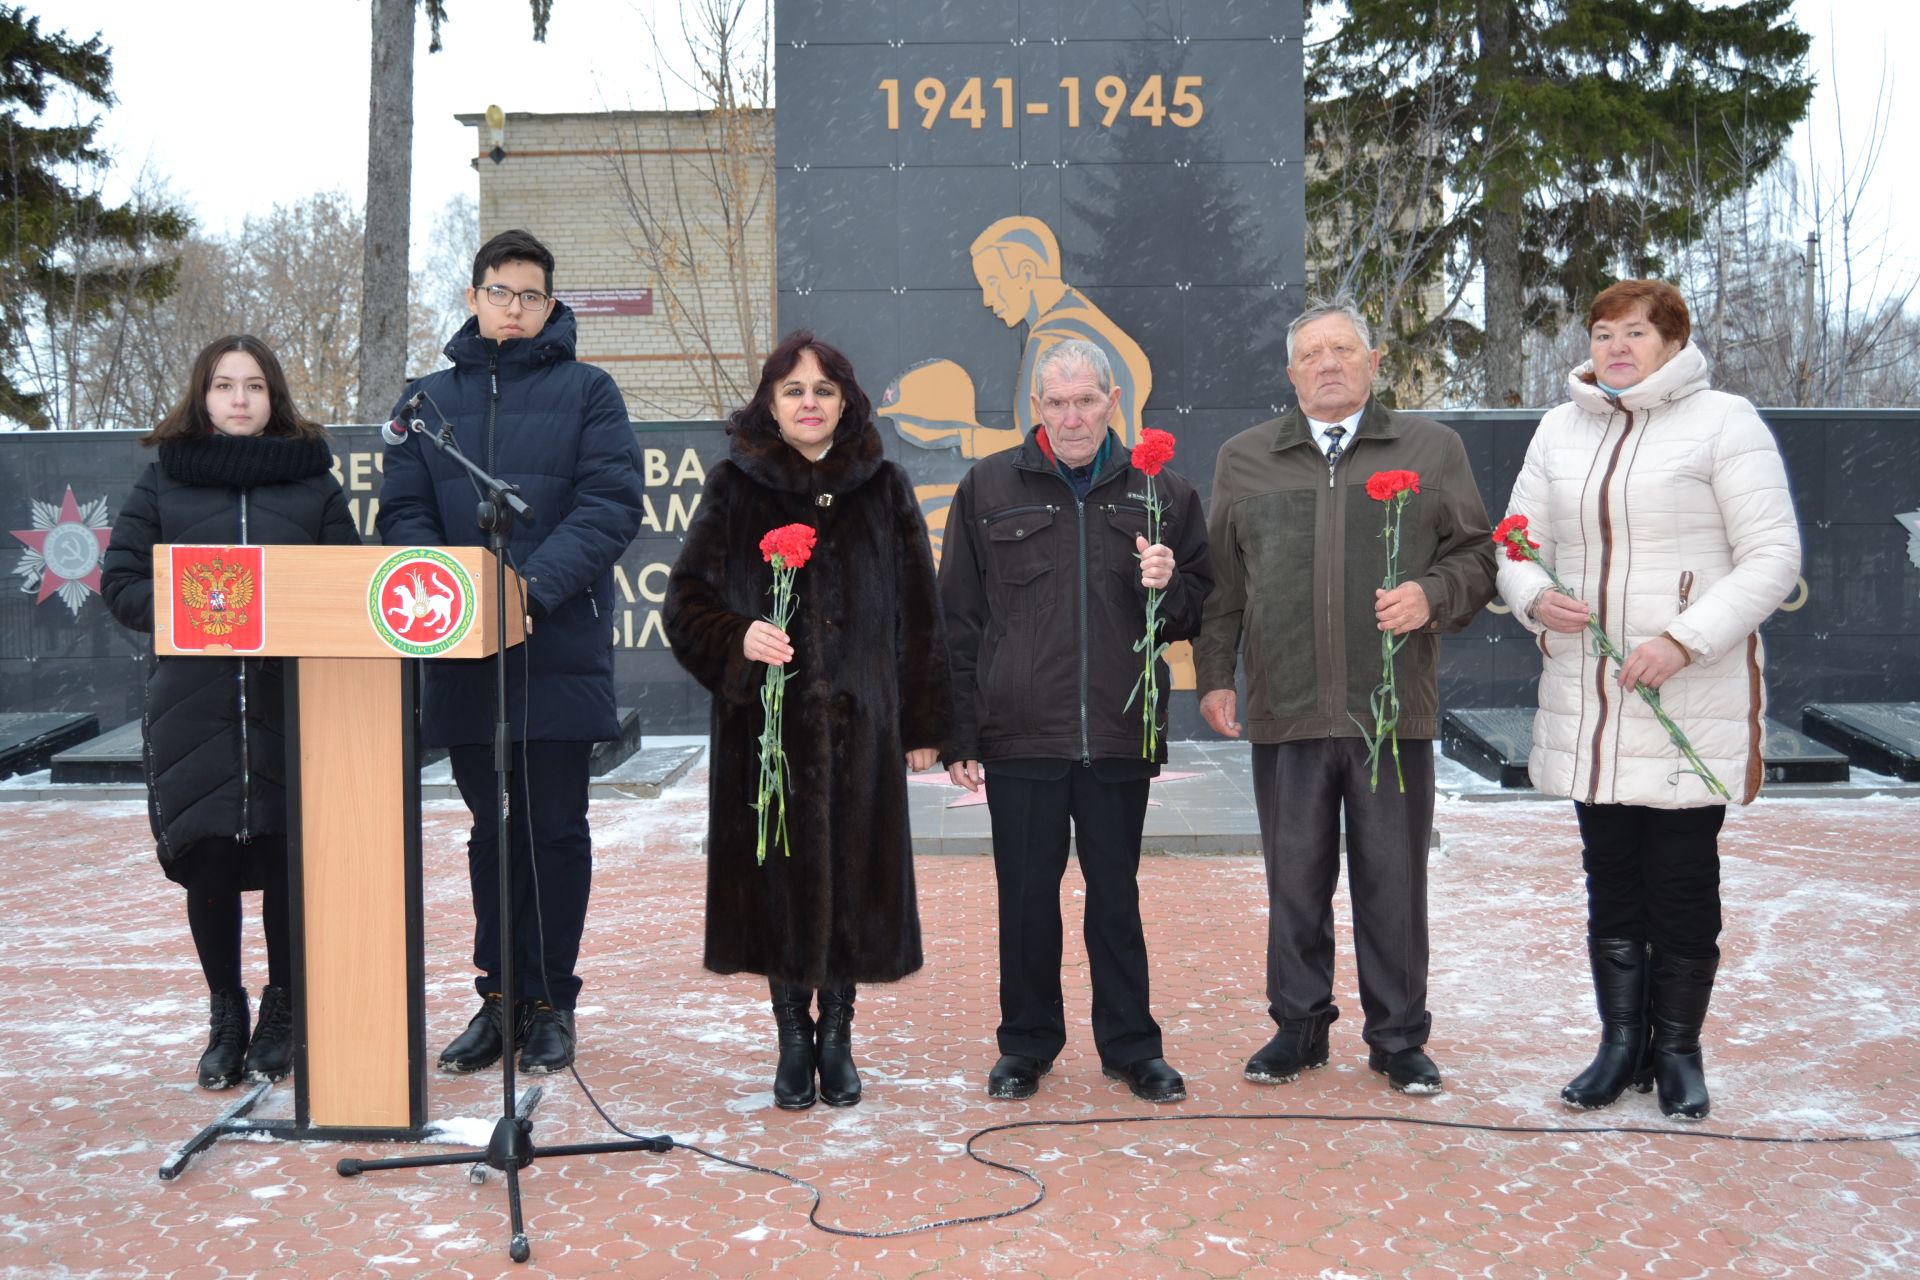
(1017, 262)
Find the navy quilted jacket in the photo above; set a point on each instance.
(527, 412)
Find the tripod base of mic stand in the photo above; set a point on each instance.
(510, 1149)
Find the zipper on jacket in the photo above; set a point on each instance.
(493, 404)
(1086, 743)
(1336, 694)
(1686, 589)
(1080, 517)
(994, 517)
(592, 603)
(1606, 569)
(245, 833)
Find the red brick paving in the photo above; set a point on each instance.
(1813, 1032)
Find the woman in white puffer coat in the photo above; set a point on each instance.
(1663, 506)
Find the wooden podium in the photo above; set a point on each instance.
(350, 618)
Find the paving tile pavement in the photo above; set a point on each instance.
(1813, 1034)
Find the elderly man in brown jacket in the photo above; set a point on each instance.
(1298, 562)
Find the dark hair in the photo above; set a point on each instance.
(1666, 309)
(512, 246)
(188, 418)
(755, 417)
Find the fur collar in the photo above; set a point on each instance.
(241, 462)
(769, 461)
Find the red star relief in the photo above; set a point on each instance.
(67, 559)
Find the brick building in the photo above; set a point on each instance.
(663, 226)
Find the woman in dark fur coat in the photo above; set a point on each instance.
(867, 691)
(238, 464)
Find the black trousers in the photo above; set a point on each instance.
(216, 873)
(548, 794)
(1653, 875)
(1030, 818)
(1300, 790)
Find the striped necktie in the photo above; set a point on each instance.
(1334, 446)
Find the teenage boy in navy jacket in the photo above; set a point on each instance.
(524, 409)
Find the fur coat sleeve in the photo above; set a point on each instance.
(706, 617)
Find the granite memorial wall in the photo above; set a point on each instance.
(1849, 633)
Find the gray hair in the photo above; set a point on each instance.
(1078, 352)
(1320, 311)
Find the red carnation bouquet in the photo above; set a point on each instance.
(1154, 452)
(1511, 535)
(786, 549)
(1395, 489)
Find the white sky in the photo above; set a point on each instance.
(241, 103)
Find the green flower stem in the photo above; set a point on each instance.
(1385, 702)
(1149, 644)
(772, 792)
(1605, 647)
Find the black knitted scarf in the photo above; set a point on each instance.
(242, 462)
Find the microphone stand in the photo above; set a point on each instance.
(511, 1147)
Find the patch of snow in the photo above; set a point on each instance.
(461, 1131)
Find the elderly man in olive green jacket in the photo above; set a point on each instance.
(1299, 563)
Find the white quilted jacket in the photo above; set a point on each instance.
(1666, 511)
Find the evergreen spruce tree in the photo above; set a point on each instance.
(1577, 140)
(66, 255)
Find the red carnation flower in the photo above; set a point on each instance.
(1382, 485)
(1154, 451)
(1511, 534)
(788, 547)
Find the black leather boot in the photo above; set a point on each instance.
(839, 1081)
(481, 1044)
(220, 1065)
(270, 1056)
(1681, 989)
(1620, 991)
(546, 1038)
(1299, 1045)
(793, 1021)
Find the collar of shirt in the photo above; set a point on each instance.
(1351, 422)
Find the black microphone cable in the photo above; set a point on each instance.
(1040, 1193)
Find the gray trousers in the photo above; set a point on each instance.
(1300, 789)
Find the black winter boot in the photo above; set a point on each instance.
(484, 1040)
(1681, 989)
(226, 1039)
(270, 1056)
(546, 1038)
(1620, 990)
(793, 1022)
(839, 1081)
(1299, 1045)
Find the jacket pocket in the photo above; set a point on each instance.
(1126, 522)
(1019, 546)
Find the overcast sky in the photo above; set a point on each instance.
(241, 104)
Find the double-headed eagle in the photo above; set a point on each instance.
(218, 593)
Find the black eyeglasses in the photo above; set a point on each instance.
(532, 299)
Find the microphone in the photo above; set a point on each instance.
(396, 431)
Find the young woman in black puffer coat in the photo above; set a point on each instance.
(238, 464)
